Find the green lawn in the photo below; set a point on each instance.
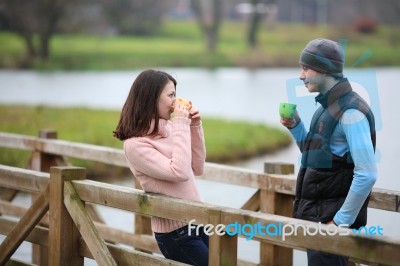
(180, 44)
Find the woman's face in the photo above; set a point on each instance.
(166, 101)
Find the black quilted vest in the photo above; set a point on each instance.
(324, 179)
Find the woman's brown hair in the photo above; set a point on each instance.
(141, 105)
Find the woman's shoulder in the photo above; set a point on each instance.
(136, 140)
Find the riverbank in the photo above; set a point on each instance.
(226, 141)
(181, 44)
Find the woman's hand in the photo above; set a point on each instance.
(194, 114)
(180, 110)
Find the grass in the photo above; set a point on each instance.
(180, 44)
(225, 140)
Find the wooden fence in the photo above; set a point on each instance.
(63, 217)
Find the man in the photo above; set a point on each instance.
(338, 168)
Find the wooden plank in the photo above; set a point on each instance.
(131, 257)
(86, 226)
(12, 209)
(14, 262)
(213, 172)
(222, 249)
(279, 168)
(38, 235)
(233, 175)
(280, 204)
(378, 249)
(142, 224)
(63, 234)
(17, 141)
(384, 199)
(214, 243)
(7, 193)
(252, 204)
(138, 201)
(110, 234)
(23, 179)
(83, 151)
(24, 226)
(64, 148)
(142, 242)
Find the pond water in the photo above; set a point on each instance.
(229, 93)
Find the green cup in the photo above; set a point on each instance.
(287, 110)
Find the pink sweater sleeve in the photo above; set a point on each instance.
(153, 162)
(198, 149)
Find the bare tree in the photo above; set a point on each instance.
(139, 17)
(31, 19)
(260, 9)
(208, 14)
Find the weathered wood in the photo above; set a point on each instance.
(7, 193)
(12, 209)
(42, 162)
(38, 235)
(18, 263)
(86, 226)
(213, 172)
(378, 249)
(17, 141)
(24, 226)
(131, 257)
(142, 242)
(110, 234)
(65, 148)
(138, 201)
(280, 204)
(63, 234)
(385, 199)
(278, 168)
(252, 204)
(233, 175)
(142, 224)
(222, 249)
(22, 179)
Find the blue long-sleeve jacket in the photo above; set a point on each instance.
(352, 133)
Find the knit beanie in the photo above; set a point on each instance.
(324, 56)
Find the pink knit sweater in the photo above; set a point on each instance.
(167, 163)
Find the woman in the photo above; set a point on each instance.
(164, 147)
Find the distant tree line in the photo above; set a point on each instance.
(36, 21)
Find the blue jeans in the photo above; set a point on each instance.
(179, 246)
(319, 258)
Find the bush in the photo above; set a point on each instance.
(365, 25)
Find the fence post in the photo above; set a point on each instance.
(42, 162)
(279, 204)
(142, 224)
(63, 234)
(222, 249)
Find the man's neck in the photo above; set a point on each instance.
(329, 83)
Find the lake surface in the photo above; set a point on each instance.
(230, 93)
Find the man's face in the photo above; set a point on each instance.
(313, 80)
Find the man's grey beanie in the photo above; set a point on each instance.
(324, 56)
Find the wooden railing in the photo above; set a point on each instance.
(69, 192)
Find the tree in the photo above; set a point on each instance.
(33, 19)
(259, 11)
(208, 14)
(138, 17)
